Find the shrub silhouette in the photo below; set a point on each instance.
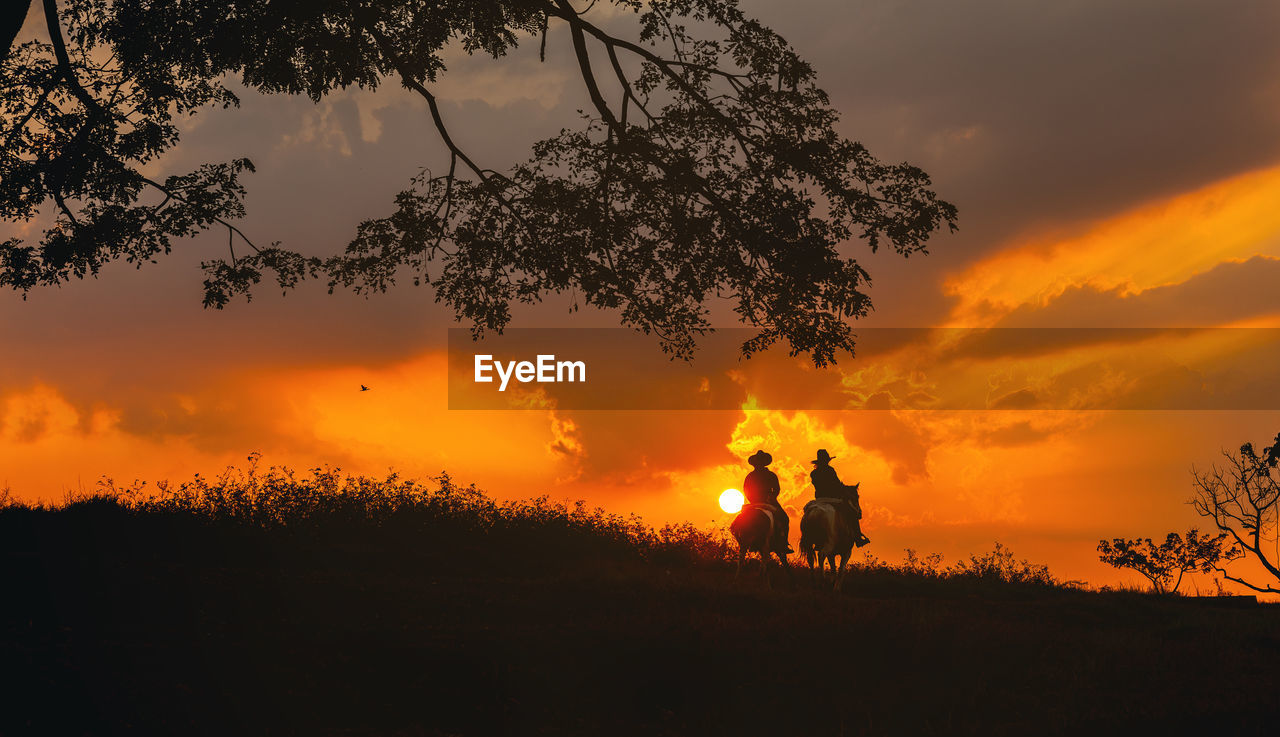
(325, 514)
(325, 508)
(1165, 564)
(1001, 565)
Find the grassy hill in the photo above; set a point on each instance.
(274, 603)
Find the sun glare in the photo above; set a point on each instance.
(731, 501)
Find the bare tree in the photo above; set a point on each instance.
(1242, 498)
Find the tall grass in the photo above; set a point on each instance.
(434, 517)
(325, 505)
(998, 565)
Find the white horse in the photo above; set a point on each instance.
(824, 537)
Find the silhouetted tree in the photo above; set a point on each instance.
(1165, 564)
(1243, 499)
(707, 166)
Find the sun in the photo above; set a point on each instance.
(731, 501)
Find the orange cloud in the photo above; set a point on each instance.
(1158, 244)
(301, 417)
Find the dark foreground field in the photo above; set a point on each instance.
(320, 608)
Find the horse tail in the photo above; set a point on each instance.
(813, 531)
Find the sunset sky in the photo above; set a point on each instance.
(1114, 165)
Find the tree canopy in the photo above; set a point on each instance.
(1165, 564)
(708, 165)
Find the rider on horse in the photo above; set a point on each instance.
(827, 485)
(761, 487)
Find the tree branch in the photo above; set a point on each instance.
(64, 61)
(1242, 582)
(170, 194)
(11, 21)
(662, 64)
(387, 48)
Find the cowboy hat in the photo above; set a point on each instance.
(823, 457)
(761, 458)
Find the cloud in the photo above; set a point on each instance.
(27, 417)
(1163, 243)
(1229, 292)
(1020, 399)
(1043, 114)
(1036, 119)
(1015, 434)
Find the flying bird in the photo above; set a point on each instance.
(364, 388)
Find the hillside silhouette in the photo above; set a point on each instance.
(268, 602)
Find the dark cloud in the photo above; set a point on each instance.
(903, 446)
(1229, 292)
(1233, 372)
(1020, 399)
(985, 344)
(634, 452)
(1042, 115)
(1087, 316)
(1015, 435)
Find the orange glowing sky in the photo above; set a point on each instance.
(1129, 178)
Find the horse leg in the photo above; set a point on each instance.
(840, 570)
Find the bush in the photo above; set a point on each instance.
(326, 517)
(1000, 565)
(291, 511)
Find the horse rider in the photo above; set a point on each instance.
(761, 487)
(827, 485)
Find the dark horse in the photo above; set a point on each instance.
(753, 529)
